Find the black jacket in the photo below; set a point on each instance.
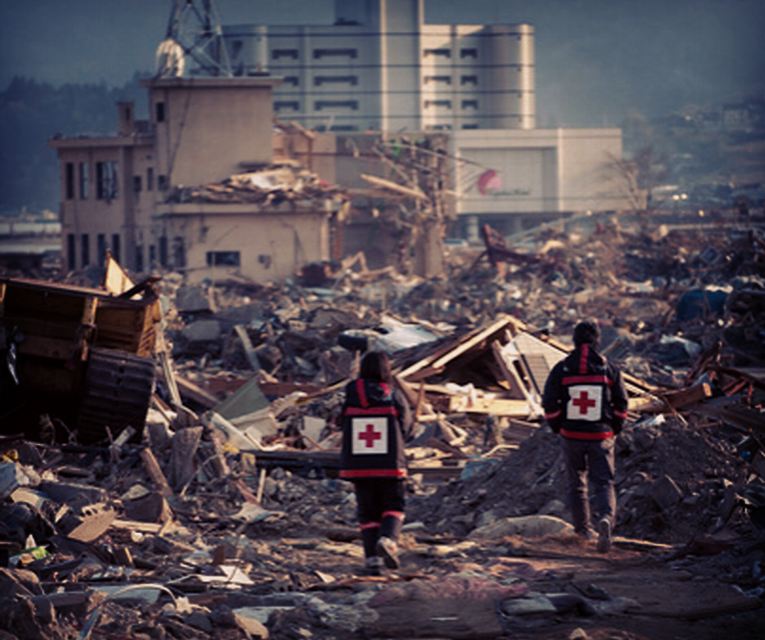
(584, 396)
(375, 421)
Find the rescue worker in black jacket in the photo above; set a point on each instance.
(375, 421)
(586, 403)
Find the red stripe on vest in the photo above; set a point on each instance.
(362, 392)
(620, 414)
(554, 414)
(371, 411)
(586, 435)
(394, 514)
(591, 379)
(585, 350)
(373, 473)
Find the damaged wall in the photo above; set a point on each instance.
(236, 239)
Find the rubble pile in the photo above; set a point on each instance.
(674, 483)
(266, 186)
(220, 514)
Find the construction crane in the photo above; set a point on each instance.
(194, 33)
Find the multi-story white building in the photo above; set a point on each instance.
(380, 67)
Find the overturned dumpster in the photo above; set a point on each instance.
(82, 356)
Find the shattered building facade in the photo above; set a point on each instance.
(133, 193)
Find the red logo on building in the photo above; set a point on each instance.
(488, 182)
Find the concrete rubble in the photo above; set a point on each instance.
(220, 514)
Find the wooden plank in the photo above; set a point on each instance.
(190, 391)
(116, 280)
(510, 373)
(152, 467)
(688, 396)
(394, 186)
(249, 351)
(492, 406)
(182, 459)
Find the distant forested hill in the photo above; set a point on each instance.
(30, 114)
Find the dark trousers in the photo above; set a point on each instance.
(381, 504)
(593, 460)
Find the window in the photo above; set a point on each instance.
(223, 258)
(469, 53)
(163, 251)
(350, 80)
(469, 80)
(336, 104)
(159, 110)
(101, 248)
(277, 54)
(139, 258)
(438, 127)
(438, 79)
(438, 53)
(162, 183)
(470, 125)
(71, 250)
(84, 180)
(293, 80)
(283, 105)
(106, 180)
(179, 253)
(152, 255)
(343, 127)
(85, 249)
(69, 170)
(137, 184)
(335, 53)
(470, 104)
(444, 104)
(116, 252)
(149, 179)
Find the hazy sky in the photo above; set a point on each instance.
(596, 59)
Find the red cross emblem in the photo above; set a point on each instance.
(583, 402)
(369, 436)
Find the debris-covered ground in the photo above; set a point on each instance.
(221, 516)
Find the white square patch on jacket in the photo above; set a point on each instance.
(585, 402)
(369, 435)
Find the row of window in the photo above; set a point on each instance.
(116, 250)
(101, 248)
(440, 52)
(353, 105)
(318, 81)
(78, 180)
(158, 254)
(294, 105)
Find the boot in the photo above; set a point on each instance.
(387, 549)
(369, 537)
(604, 536)
(373, 566)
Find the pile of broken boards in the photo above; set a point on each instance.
(266, 186)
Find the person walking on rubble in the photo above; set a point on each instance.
(375, 422)
(585, 402)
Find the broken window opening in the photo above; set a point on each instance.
(106, 180)
(137, 186)
(149, 179)
(159, 111)
(116, 249)
(100, 248)
(84, 180)
(224, 258)
(71, 251)
(69, 170)
(276, 54)
(85, 250)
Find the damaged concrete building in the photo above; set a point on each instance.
(141, 205)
